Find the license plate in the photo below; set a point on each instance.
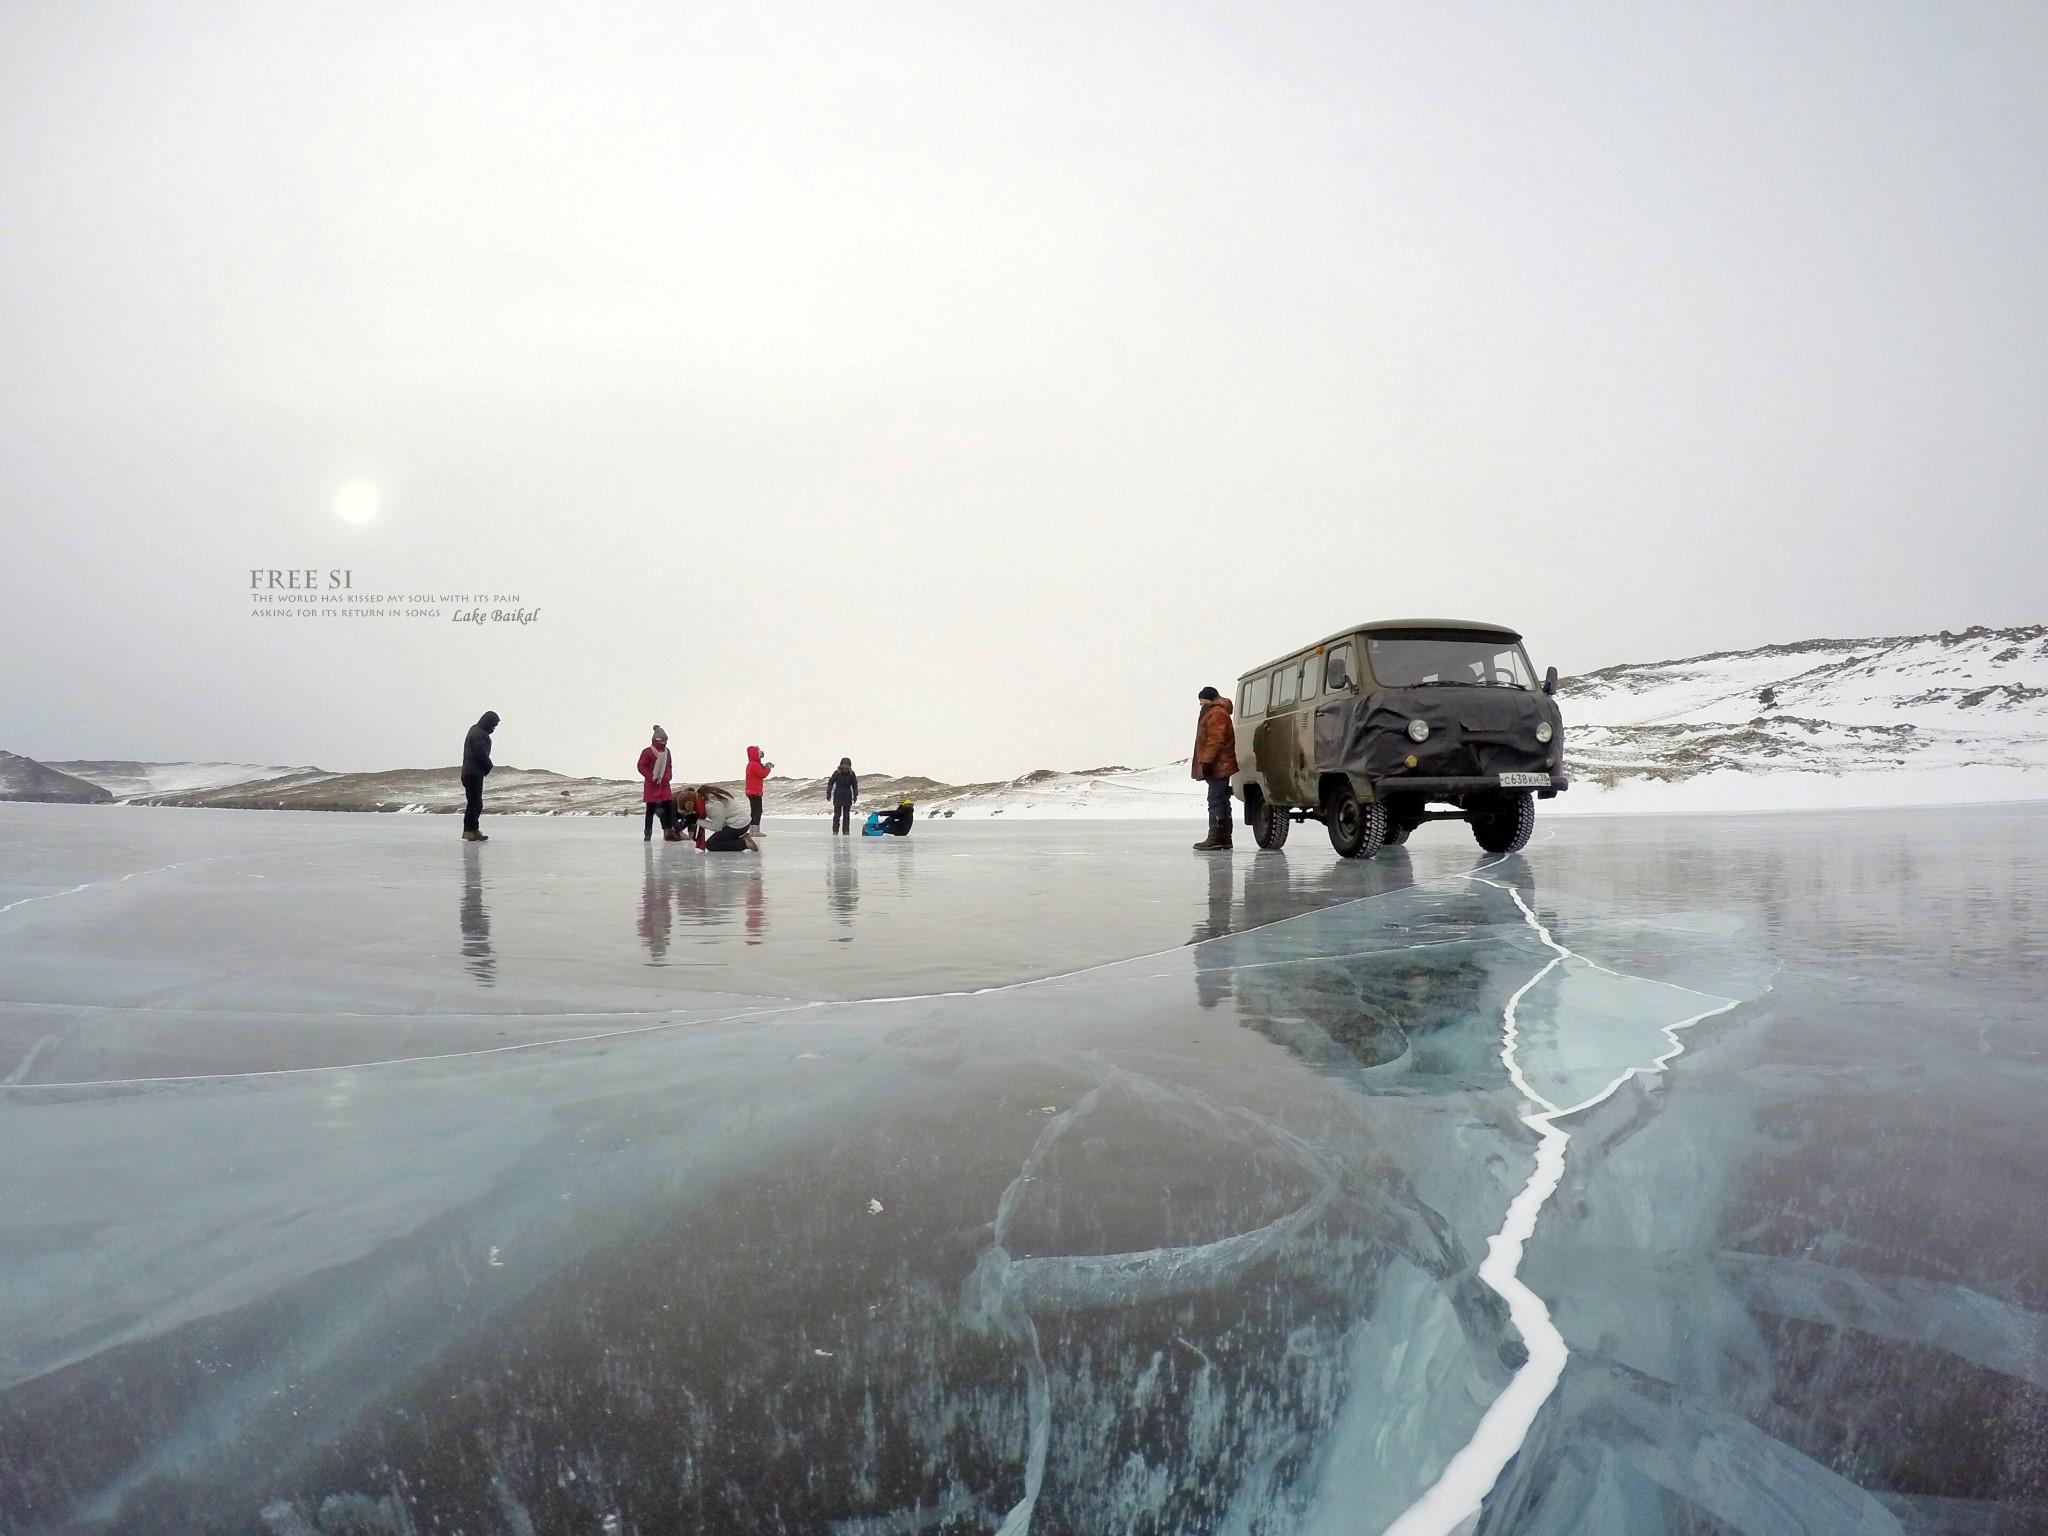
(1525, 781)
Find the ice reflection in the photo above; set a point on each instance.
(1187, 1243)
(842, 884)
(476, 922)
(657, 903)
(990, 1254)
(698, 899)
(1216, 921)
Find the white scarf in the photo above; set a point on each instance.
(659, 771)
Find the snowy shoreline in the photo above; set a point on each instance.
(1869, 724)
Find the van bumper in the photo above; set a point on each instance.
(1444, 789)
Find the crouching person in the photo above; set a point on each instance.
(723, 822)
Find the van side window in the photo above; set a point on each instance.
(1256, 691)
(1284, 683)
(1339, 668)
(1311, 676)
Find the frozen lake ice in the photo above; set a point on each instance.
(1678, 1175)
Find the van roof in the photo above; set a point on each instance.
(1396, 626)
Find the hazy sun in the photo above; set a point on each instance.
(356, 502)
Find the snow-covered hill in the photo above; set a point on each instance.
(1122, 794)
(136, 781)
(1904, 719)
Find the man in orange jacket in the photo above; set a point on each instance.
(1214, 762)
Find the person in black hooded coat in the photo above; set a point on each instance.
(842, 789)
(476, 762)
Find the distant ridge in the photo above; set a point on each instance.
(538, 791)
(23, 778)
(1896, 719)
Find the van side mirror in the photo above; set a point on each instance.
(1338, 678)
(1550, 681)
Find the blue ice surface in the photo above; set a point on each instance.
(1033, 1177)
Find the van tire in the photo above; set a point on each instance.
(1270, 824)
(1357, 830)
(1505, 829)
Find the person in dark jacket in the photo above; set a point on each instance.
(895, 823)
(1214, 761)
(842, 789)
(476, 762)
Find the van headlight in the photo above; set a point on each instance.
(1543, 731)
(1418, 730)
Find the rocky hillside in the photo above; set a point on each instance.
(23, 778)
(1901, 719)
(1971, 700)
(523, 791)
(536, 791)
(133, 781)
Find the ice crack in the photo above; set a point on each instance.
(1452, 1503)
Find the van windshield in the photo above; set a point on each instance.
(1419, 661)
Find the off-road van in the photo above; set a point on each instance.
(1369, 729)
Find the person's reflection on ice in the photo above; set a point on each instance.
(1212, 972)
(476, 922)
(716, 896)
(757, 911)
(1275, 889)
(842, 883)
(657, 896)
(1269, 893)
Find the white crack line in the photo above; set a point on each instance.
(122, 880)
(1456, 1496)
(327, 1068)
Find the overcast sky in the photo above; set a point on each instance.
(961, 387)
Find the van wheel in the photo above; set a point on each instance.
(1270, 824)
(1507, 828)
(1357, 830)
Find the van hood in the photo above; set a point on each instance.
(1472, 731)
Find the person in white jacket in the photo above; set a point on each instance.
(723, 826)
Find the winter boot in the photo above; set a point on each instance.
(471, 835)
(1218, 839)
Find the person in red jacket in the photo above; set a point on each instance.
(657, 792)
(757, 780)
